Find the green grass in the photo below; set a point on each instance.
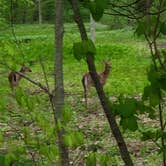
(130, 60)
(128, 54)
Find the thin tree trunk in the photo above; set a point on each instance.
(148, 2)
(24, 15)
(92, 28)
(59, 87)
(40, 11)
(104, 101)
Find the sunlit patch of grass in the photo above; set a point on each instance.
(128, 55)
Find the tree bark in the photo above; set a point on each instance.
(103, 99)
(92, 28)
(40, 11)
(59, 86)
(24, 15)
(148, 4)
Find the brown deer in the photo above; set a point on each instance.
(15, 77)
(87, 81)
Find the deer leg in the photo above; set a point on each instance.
(84, 83)
(85, 97)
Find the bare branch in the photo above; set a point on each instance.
(45, 75)
(34, 82)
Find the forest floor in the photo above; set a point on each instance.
(130, 60)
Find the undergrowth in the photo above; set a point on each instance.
(128, 55)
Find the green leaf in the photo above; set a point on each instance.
(26, 132)
(152, 75)
(86, 3)
(9, 158)
(154, 98)
(146, 94)
(151, 93)
(129, 123)
(68, 140)
(53, 151)
(147, 135)
(103, 4)
(141, 28)
(126, 108)
(91, 159)
(163, 28)
(29, 103)
(66, 115)
(83, 49)
(163, 150)
(59, 124)
(96, 11)
(160, 134)
(96, 8)
(2, 159)
(104, 159)
(162, 79)
(89, 47)
(79, 139)
(78, 50)
(73, 139)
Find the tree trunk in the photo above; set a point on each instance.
(13, 12)
(59, 87)
(148, 2)
(92, 29)
(24, 15)
(40, 11)
(104, 101)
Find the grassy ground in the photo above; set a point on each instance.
(130, 59)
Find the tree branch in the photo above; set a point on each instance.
(103, 99)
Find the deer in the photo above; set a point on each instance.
(14, 77)
(87, 81)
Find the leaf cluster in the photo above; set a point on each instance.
(96, 7)
(83, 49)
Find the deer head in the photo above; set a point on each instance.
(25, 69)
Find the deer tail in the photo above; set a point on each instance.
(83, 83)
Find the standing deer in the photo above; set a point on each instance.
(15, 77)
(87, 81)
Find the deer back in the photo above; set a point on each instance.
(15, 77)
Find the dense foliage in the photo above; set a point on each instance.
(26, 12)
